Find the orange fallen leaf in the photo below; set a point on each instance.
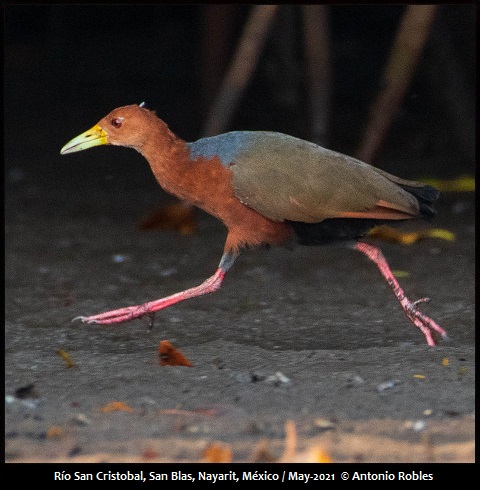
(217, 452)
(169, 356)
(176, 217)
(54, 432)
(116, 406)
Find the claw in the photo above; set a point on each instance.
(421, 300)
(151, 321)
(81, 318)
(84, 319)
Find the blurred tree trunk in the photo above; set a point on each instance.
(317, 48)
(407, 49)
(216, 39)
(239, 73)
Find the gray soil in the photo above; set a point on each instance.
(312, 336)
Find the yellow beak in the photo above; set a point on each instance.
(93, 137)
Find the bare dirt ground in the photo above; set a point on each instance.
(312, 338)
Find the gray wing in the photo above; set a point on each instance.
(286, 178)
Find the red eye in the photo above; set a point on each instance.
(117, 122)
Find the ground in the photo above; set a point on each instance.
(311, 339)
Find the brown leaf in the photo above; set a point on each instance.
(169, 356)
(176, 217)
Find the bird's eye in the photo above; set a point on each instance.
(117, 122)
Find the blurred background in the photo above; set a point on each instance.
(315, 74)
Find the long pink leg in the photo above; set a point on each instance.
(132, 312)
(423, 322)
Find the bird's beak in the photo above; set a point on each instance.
(93, 137)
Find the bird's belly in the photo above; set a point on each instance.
(247, 228)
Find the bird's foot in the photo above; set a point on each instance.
(132, 312)
(118, 316)
(423, 322)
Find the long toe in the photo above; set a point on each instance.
(423, 322)
(83, 319)
(116, 316)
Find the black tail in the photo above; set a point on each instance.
(426, 196)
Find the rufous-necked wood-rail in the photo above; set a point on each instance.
(268, 189)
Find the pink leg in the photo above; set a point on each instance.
(132, 312)
(423, 322)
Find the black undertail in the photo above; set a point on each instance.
(333, 230)
(426, 196)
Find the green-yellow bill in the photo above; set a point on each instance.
(93, 137)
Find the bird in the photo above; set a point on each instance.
(268, 189)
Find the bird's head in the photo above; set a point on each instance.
(124, 126)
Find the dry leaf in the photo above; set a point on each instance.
(176, 217)
(390, 234)
(169, 356)
(217, 452)
(442, 234)
(68, 360)
(399, 273)
(464, 183)
(116, 406)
